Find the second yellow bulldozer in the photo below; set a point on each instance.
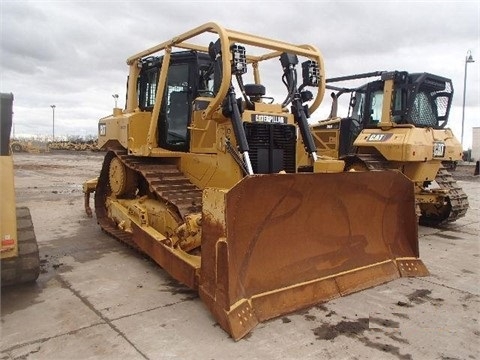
(208, 184)
(398, 121)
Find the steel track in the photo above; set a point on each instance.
(166, 183)
(457, 198)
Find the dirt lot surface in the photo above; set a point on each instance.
(98, 299)
(465, 171)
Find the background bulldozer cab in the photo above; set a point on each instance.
(422, 99)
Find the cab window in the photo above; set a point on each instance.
(176, 108)
(376, 109)
(423, 113)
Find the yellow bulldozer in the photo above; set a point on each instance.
(19, 257)
(207, 184)
(17, 145)
(398, 121)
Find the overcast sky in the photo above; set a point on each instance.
(73, 53)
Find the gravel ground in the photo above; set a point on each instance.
(98, 299)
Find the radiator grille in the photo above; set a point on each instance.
(272, 147)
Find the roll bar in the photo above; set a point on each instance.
(227, 37)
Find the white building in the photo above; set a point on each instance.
(476, 143)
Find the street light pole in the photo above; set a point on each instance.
(468, 59)
(53, 125)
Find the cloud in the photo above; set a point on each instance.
(72, 53)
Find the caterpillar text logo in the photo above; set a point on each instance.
(276, 119)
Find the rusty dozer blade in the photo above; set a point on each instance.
(277, 243)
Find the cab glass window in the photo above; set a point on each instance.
(377, 104)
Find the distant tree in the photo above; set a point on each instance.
(75, 138)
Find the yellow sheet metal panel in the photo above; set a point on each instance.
(410, 144)
(328, 166)
(137, 131)
(422, 171)
(202, 132)
(113, 128)
(8, 220)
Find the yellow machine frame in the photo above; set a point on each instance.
(257, 245)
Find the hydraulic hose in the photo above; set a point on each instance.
(230, 109)
(301, 119)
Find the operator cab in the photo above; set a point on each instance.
(422, 100)
(189, 76)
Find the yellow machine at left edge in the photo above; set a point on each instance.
(19, 258)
